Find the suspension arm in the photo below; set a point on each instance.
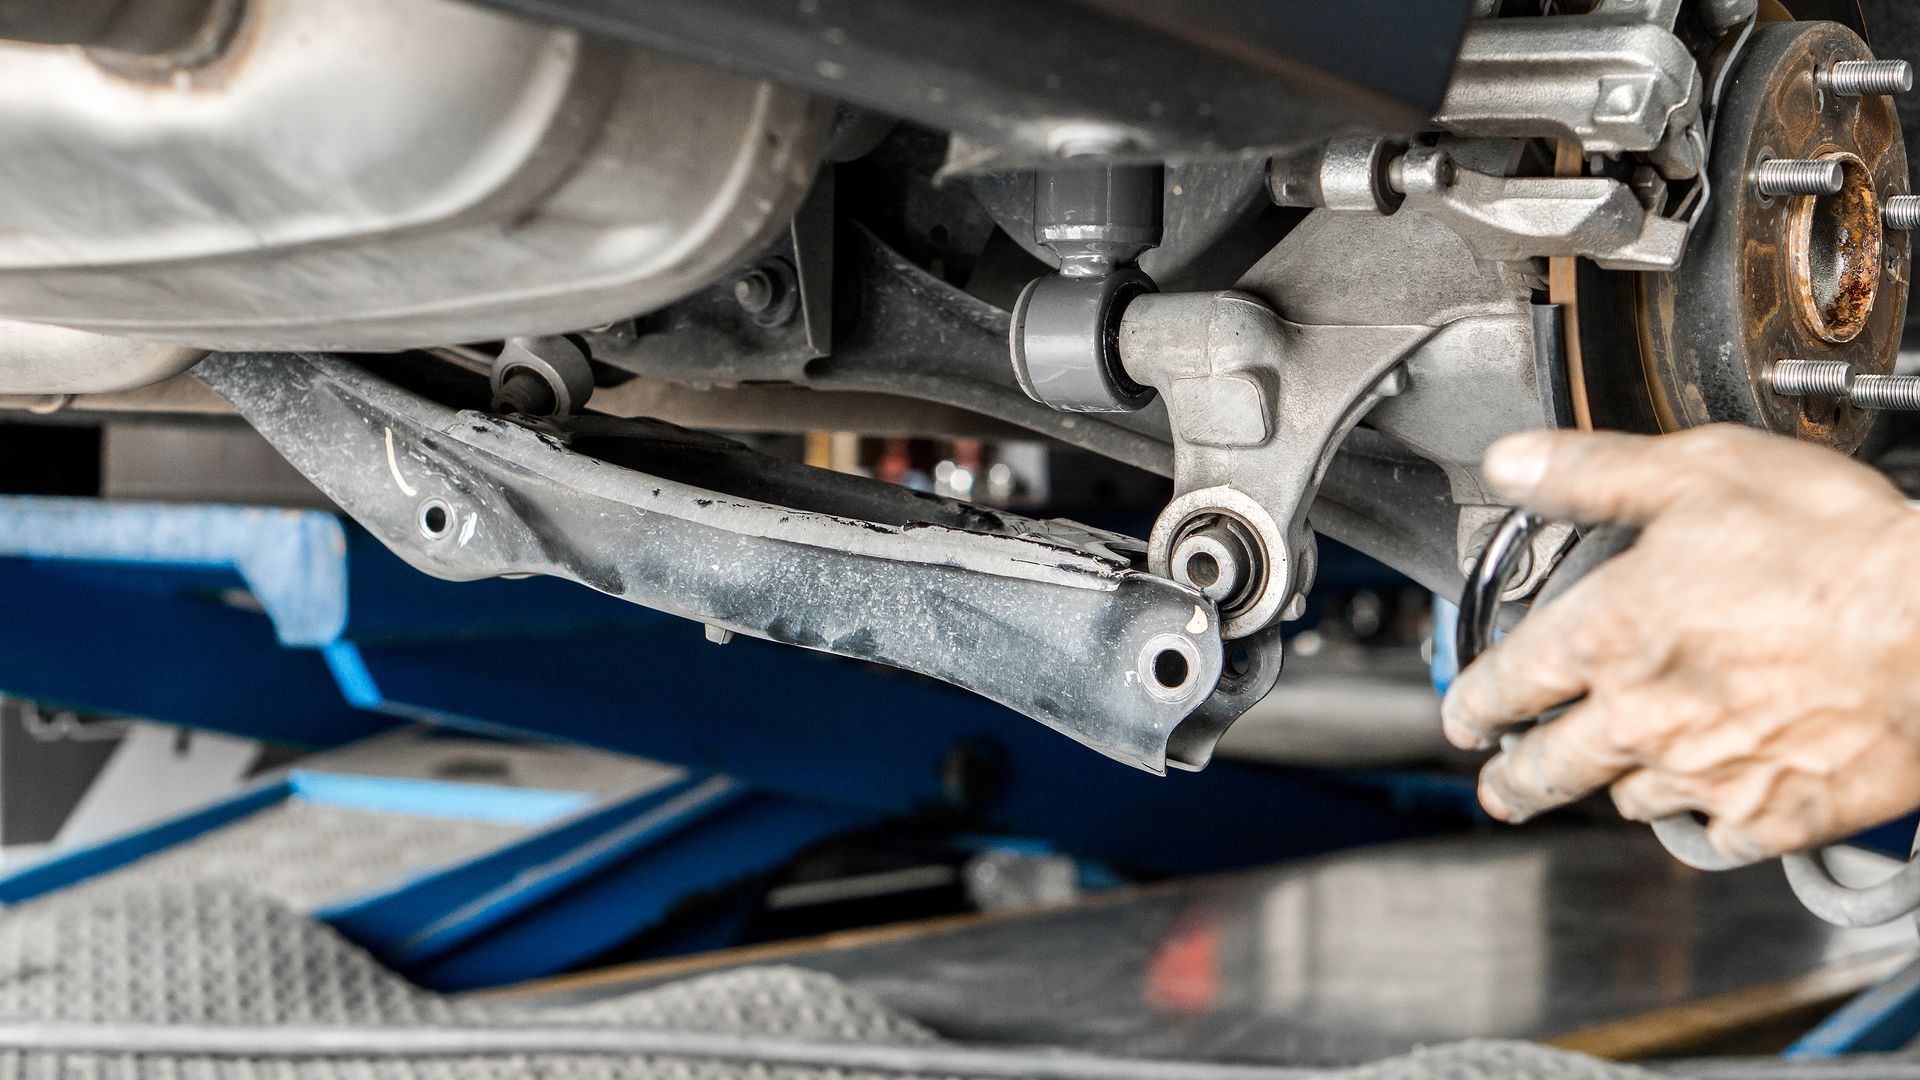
(1048, 618)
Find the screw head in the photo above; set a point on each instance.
(1522, 559)
(769, 293)
(754, 291)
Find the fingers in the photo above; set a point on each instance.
(1632, 479)
(1675, 650)
(1779, 834)
(1649, 794)
(1791, 813)
(1646, 794)
(1545, 662)
(1554, 764)
(1591, 477)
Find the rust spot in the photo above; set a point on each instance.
(1836, 253)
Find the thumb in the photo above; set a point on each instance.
(1592, 477)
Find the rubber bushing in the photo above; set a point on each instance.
(1066, 342)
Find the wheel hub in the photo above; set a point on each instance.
(1834, 254)
(1799, 277)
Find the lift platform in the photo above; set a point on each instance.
(1583, 938)
(461, 862)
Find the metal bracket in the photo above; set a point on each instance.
(905, 316)
(1506, 218)
(1049, 618)
(1614, 81)
(1480, 524)
(1258, 406)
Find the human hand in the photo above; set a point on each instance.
(1751, 657)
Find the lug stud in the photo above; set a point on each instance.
(1784, 176)
(1902, 213)
(1836, 380)
(1868, 78)
(1811, 378)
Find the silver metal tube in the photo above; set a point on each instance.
(1901, 212)
(1836, 380)
(1892, 392)
(1784, 176)
(1869, 78)
(1811, 378)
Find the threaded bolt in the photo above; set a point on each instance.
(1899, 392)
(1902, 212)
(1869, 78)
(1784, 176)
(1835, 379)
(1811, 378)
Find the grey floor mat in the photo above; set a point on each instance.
(183, 954)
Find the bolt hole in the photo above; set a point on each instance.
(1170, 669)
(1203, 569)
(436, 519)
(1239, 662)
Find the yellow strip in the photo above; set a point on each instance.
(1680, 1028)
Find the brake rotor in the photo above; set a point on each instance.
(1765, 279)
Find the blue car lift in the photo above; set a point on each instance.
(560, 876)
(296, 627)
(1881, 1020)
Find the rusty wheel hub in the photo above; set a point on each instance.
(1790, 277)
(1835, 252)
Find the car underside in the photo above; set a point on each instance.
(522, 286)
